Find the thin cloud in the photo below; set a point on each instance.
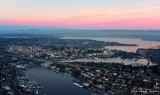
(89, 15)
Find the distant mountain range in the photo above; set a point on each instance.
(5, 27)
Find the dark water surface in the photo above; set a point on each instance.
(54, 83)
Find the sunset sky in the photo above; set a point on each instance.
(81, 14)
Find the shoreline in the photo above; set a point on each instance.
(141, 43)
(114, 60)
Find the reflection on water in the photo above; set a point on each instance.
(123, 48)
(139, 42)
(113, 60)
(54, 83)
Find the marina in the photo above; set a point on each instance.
(51, 80)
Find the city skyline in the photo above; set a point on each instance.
(78, 14)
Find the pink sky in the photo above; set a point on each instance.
(144, 14)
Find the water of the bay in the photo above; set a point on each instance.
(54, 83)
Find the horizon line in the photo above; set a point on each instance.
(81, 29)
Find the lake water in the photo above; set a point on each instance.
(54, 83)
(141, 43)
(143, 38)
(113, 60)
